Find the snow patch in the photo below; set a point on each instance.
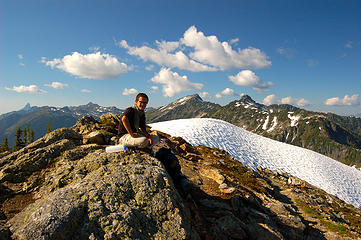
(264, 127)
(274, 124)
(253, 150)
(294, 119)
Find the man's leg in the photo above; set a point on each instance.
(129, 141)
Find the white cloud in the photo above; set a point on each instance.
(228, 92)
(131, 91)
(287, 52)
(249, 78)
(287, 100)
(56, 85)
(303, 102)
(174, 83)
(20, 56)
(164, 58)
(26, 89)
(271, 99)
(207, 53)
(149, 67)
(234, 40)
(349, 44)
(167, 46)
(204, 95)
(209, 50)
(154, 88)
(346, 101)
(92, 66)
(85, 91)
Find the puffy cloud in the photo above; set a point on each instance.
(131, 91)
(85, 91)
(26, 89)
(162, 57)
(346, 101)
(287, 100)
(209, 50)
(207, 53)
(271, 99)
(228, 92)
(167, 46)
(92, 66)
(249, 78)
(56, 85)
(204, 95)
(174, 83)
(303, 102)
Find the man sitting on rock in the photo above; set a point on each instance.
(132, 130)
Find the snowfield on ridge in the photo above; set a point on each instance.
(253, 150)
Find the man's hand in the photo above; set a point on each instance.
(150, 140)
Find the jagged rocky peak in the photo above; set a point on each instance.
(190, 97)
(247, 100)
(182, 101)
(27, 107)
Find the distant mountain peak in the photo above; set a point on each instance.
(247, 99)
(189, 97)
(91, 104)
(27, 107)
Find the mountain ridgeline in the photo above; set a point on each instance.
(338, 137)
(39, 117)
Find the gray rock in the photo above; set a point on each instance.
(136, 201)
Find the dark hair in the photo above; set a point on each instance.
(141, 95)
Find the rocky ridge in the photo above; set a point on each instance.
(335, 136)
(65, 186)
(289, 124)
(187, 107)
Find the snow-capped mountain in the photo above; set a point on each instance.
(38, 118)
(335, 136)
(191, 106)
(257, 151)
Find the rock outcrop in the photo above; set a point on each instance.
(65, 186)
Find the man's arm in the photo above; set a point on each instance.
(127, 126)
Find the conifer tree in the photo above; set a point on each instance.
(5, 146)
(18, 141)
(49, 129)
(28, 135)
(25, 132)
(31, 136)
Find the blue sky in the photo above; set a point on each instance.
(61, 53)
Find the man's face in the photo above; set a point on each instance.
(141, 103)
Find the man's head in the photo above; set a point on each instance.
(141, 101)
